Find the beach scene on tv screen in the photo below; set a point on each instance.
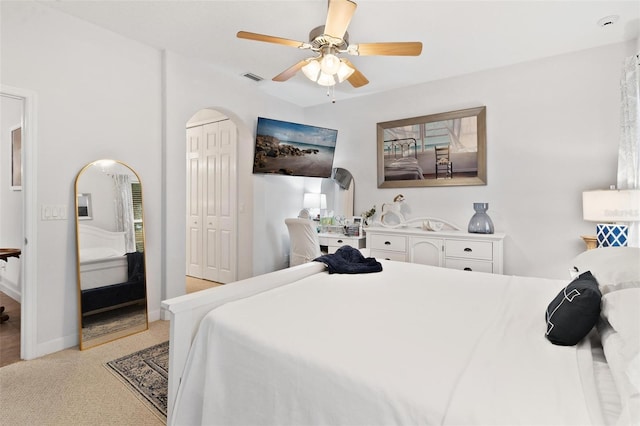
(293, 149)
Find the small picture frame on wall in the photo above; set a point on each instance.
(84, 206)
(16, 158)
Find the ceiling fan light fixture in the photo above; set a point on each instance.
(344, 72)
(329, 62)
(326, 80)
(312, 70)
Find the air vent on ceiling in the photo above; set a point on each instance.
(252, 76)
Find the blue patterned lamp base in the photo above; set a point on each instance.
(612, 235)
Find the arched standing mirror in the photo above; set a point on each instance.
(339, 191)
(112, 290)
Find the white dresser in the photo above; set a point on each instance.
(449, 249)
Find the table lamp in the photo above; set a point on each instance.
(608, 208)
(315, 203)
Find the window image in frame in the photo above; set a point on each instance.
(16, 159)
(445, 149)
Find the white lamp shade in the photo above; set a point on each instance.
(329, 63)
(611, 205)
(314, 201)
(326, 79)
(311, 70)
(344, 72)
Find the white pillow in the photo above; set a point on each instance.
(620, 335)
(622, 310)
(613, 267)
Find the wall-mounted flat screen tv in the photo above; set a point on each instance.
(293, 149)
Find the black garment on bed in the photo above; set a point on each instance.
(349, 260)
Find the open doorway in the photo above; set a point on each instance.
(18, 219)
(11, 227)
(211, 234)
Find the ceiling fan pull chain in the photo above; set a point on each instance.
(331, 92)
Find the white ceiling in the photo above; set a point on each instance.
(458, 37)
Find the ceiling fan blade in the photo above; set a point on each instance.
(290, 72)
(338, 17)
(357, 79)
(407, 48)
(270, 39)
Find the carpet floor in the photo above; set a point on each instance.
(73, 387)
(146, 374)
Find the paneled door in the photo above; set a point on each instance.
(427, 251)
(212, 188)
(194, 202)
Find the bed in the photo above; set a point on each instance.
(405, 168)
(412, 344)
(109, 276)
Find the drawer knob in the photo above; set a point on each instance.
(467, 249)
(387, 243)
(339, 241)
(468, 269)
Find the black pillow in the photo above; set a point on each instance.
(574, 311)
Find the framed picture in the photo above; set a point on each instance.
(84, 206)
(446, 149)
(16, 158)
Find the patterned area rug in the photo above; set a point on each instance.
(146, 373)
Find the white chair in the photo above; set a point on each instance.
(304, 242)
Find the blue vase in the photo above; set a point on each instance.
(480, 222)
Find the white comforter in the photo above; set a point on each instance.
(410, 345)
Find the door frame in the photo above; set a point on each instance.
(28, 258)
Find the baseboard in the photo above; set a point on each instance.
(71, 340)
(12, 292)
(57, 345)
(154, 315)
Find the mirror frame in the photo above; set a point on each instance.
(481, 136)
(124, 333)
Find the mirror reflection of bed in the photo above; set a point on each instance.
(111, 263)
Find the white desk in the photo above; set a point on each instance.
(334, 241)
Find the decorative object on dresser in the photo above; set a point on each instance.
(480, 222)
(610, 209)
(422, 151)
(453, 249)
(392, 213)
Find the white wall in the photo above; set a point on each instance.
(552, 132)
(10, 200)
(98, 97)
(191, 86)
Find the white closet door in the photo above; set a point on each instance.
(211, 199)
(194, 204)
(212, 188)
(226, 201)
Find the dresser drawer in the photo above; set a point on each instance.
(388, 242)
(469, 265)
(389, 255)
(469, 249)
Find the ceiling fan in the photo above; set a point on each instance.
(331, 39)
